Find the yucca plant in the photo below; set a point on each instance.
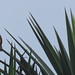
(61, 62)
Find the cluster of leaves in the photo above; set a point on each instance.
(61, 62)
(12, 64)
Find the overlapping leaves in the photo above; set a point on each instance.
(61, 62)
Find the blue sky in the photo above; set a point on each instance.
(48, 13)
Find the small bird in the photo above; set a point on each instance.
(0, 42)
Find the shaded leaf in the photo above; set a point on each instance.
(11, 63)
(5, 68)
(73, 26)
(14, 61)
(70, 43)
(64, 57)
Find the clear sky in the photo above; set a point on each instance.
(48, 13)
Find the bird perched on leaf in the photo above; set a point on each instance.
(0, 42)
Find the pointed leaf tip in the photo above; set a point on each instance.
(30, 14)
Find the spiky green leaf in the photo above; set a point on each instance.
(11, 63)
(70, 44)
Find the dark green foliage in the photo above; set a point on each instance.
(61, 62)
(5, 68)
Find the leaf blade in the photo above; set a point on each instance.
(70, 43)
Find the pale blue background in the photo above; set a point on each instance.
(48, 13)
